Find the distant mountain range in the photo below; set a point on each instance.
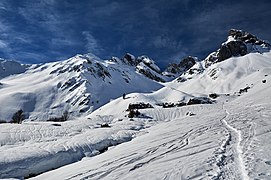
(125, 118)
(83, 83)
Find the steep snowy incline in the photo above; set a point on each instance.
(239, 43)
(250, 116)
(227, 140)
(78, 85)
(212, 122)
(228, 76)
(180, 148)
(44, 145)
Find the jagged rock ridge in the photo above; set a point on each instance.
(78, 85)
(174, 70)
(84, 83)
(239, 43)
(9, 67)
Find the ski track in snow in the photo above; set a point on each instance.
(216, 142)
(150, 155)
(235, 132)
(230, 155)
(177, 146)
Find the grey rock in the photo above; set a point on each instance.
(241, 44)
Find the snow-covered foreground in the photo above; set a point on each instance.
(175, 149)
(32, 148)
(226, 141)
(229, 139)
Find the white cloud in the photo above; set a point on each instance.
(62, 42)
(92, 45)
(2, 6)
(160, 42)
(3, 44)
(43, 14)
(165, 41)
(4, 26)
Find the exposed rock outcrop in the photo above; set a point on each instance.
(9, 67)
(143, 65)
(239, 43)
(148, 68)
(174, 70)
(149, 73)
(129, 59)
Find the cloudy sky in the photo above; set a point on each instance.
(34, 31)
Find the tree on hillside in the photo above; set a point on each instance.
(65, 115)
(18, 117)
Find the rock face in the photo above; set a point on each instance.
(199, 100)
(239, 43)
(8, 67)
(129, 59)
(247, 37)
(187, 63)
(148, 68)
(233, 48)
(79, 85)
(174, 70)
(149, 62)
(147, 71)
(143, 65)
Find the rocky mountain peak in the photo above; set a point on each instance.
(10, 67)
(129, 59)
(174, 69)
(246, 37)
(239, 43)
(148, 68)
(143, 65)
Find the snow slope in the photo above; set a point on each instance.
(78, 85)
(229, 139)
(228, 76)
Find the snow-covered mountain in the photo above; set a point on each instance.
(78, 85)
(175, 70)
(239, 43)
(84, 83)
(9, 67)
(211, 122)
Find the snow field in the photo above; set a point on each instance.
(229, 139)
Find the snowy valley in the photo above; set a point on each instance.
(199, 119)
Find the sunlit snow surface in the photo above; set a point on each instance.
(230, 139)
(78, 85)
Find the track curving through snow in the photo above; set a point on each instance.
(239, 151)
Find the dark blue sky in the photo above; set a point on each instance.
(34, 31)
